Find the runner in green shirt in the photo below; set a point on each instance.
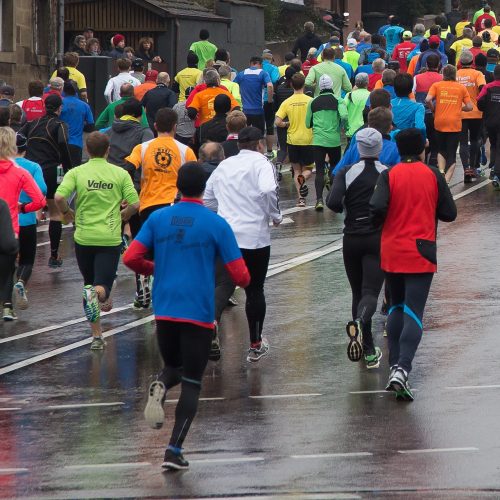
(101, 188)
(204, 49)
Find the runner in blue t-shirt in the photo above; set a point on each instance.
(187, 239)
(252, 82)
(393, 35)
(78, 115)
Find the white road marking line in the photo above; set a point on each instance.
(70, 347)
(60, 325)
(436, 450)
(201, 399)
(471, 190)
(82, 405)
(283, 396)
(334, 455)
(464, 387)
(226, 460)
(381, 391)
(294, 210)
(108, 466)
(308, 257)
(291, 496)
(10, 409)
(45, 227)
(13, 471)
(43, 244)
(286, 220)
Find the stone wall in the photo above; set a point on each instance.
(18, 62)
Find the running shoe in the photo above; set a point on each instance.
(496, 182)
(373, 360)
(255, 353)
(174, 461)
(232, 301)
(153, 413)
(328, 179)
(9, 314)
(55, 262)
(20, 295)
(400, 385)
(271, 155)
(91, 303)
(98, 344)
(469, 175)
(492, 172)
(392, 371)
(355, 347)
(301, 202)
(484, 160)
(214, 354)
(384, 333)
(319, 205)
(146, 301)
(303, 189)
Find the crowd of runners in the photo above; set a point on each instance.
(181, 178)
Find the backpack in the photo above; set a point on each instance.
(33, 109)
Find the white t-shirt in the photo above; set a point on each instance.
(112, 90)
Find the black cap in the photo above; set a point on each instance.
(21, 142)
(53, 102)
(137, 63)
(289, 72)
(250, 134)
(7, 90)
(492, 53)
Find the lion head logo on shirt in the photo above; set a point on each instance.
(163, 158)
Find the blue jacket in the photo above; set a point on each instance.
(36, 172)
(273, 72)
(389, 156)
(422, 60)
(408, 114)
(346, 66)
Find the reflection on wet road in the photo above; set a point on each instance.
(303, 423)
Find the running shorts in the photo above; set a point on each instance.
(303, 155)
(269, 115)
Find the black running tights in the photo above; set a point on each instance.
(320, 153)
(408, 295)
(494, 136)
(224, 288)
(184, 348)
(55, 232)
(7, 267)
(362, 265)
(257, 261)
(471, 132)
(27, 252)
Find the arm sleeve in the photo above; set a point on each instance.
(346, 83)
(135, 258)
(270, 189)
(335, 198)
(282, 111)
(209, 198)
(102, 120)
(379, 203)
(8, 241)
(89, 119)
(68, 185)
(309, 116)
(311, 77)
(446, 209)
(420, 119)
(172, 99)
(129, 194)
(108, 90)
(347, 159)
(144, 119)
(481, 101)
(33, 191)
(135, 158)
(230, 255)
(62, 140)
(40, 181)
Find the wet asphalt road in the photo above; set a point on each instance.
(302, 423)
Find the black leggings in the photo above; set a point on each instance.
(432, 150)
(184, 348)
(494, 137)
(98, 265)
(447, 146)
(27, 252)
(362, 265)
(320, 153)
(408, 295)
(471, 131)
(224, 288)
(257, 261)
(7, 268)
(283, 148)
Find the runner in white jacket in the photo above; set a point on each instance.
(244, 191)
(112, 90)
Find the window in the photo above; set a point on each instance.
(6, 25)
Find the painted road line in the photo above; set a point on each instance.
(284, 396)
(108, 466)
(436, 450)
(472, 387)
(82, 405)
(471, 190)
(13, 471)
(226, 460)
(45, 227)
(10, 409)
(333, 455)
(380, 391)
(294, 210)
(43, 244)
(201, 399)
(286, 220)
(70, 347)
(60, 325)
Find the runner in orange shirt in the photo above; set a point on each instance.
(447, 100)
(473, 81)
(160, 159)
(203, 102)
